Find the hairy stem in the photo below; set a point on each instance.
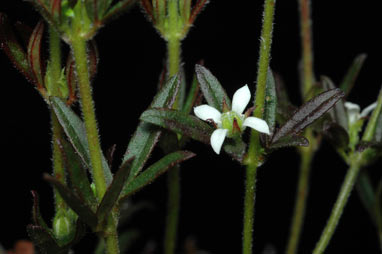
(255, 149)
(343, 196)
(58, 163)
(307, 154)
(307, 46)
(87, 106)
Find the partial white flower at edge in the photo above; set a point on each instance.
(354, 111)
(224, 121)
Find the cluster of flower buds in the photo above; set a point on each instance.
(33, 66)
(172, 18)
(84, 17)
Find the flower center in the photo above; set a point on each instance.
(228, 119)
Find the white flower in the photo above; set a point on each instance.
(229, 122)
(353, 111)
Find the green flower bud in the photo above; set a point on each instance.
(63, 227)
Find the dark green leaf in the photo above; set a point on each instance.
(12, 48)
(36, 215)
(236, 148)
(352, 74)
(211, 88)
(114, 190)
(79, 206)
(155, 170)
(56, 10)
(75, 130)
(77, 174)
(308, 113)
(34, 54)
(179, 122)
(338, 112)
(118, 9)
(146, 135)
(270, 101)
(182, 89)
(192, 97)
(288, 141)
(44, 240)
(337, 135)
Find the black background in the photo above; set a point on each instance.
(226, 37)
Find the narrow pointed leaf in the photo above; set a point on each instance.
(378, 129)
(182, 89)
(192, 97)
(75, 130)
(12, 48)
(308, 113)
(34, 54)
(114, 190)
(337, 135)
(288, 141)
(270, 102)
(118, 9)
(352, 74)
(91, 9)
(179, 122)
(71, 80)
(74, 202)
(200, 4)
(147, 135)
(211, 88)
(93, 58)
(56, 10)
(44, 240)
(43, 9)
(285, 108)
(338, 112)
(363, 145)
(155, 170)
(36, 215)
(77, 174)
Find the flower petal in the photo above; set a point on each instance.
(352, 111)
(368, 109)
(258, 124)
(217, 139)
(241, 99)
(205, 112)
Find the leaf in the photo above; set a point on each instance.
(113, 191)
(338, 113)
(44, 240)
(182, 89)
(56, 10)
(200, 4)
(36, 215)
(34, 54)
(147, 135)
(155, 170)
(75, 130)
(211, 88)
(308, 113)
(288, 141)
(337, 135)
(352, 74)
(363, 145)
(284, 107)
(270, 101)
(236, 148)
(12, 48)
(77, 174)
(79, 206)
(117, 10)
(178, 122)
(192, 97)
(71, 79)
(366, 193)
(378, 129)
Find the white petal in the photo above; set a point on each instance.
(353, 111)
(205, 112)
(217, 139)
(258, 124)
(368, 109)
(241, 99)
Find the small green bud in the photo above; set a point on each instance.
(63, 226)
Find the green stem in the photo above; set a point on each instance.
(87, 105)
(307, 154)
(255, 149)
(343, 196)
(173, 180)
(307, 47)
(58, 163)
